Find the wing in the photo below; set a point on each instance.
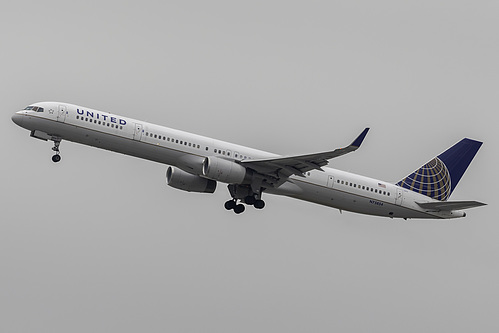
(449, 205)
(280, 168)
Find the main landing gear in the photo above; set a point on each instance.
(57, 157)
(246, 195)
(233, 205)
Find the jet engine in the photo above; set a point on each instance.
(225, 171)
(188, 182)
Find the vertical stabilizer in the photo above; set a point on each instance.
(439, 177)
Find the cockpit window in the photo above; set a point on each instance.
(34, 108)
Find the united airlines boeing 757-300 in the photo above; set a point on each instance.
(197, 164)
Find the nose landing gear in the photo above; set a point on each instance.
(57, 157)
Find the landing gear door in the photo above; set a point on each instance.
(61, 113)
(137, 133)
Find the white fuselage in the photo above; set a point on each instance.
(331, 187)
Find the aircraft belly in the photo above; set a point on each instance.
(334, 198)
(46, 125)
(131, 147)
(109, 141)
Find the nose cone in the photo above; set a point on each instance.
(17, 118)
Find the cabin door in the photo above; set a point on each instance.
(137, 132)
(330, 181)
(61, 113)
(399, 196)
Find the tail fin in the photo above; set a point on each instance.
(438, 178)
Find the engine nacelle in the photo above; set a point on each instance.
(225, 171)
(187, 182)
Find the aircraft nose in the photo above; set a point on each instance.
(17, 118)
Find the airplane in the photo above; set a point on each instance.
(197, 164)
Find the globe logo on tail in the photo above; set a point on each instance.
(432, 179)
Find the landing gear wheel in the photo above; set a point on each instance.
(57, 142)
(229, 205)
(239, 209)
(259, 204)
(249, 200)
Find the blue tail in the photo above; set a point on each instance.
(438, 178)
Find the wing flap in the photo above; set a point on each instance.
(298, 165)
(450, 205)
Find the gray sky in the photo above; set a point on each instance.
(99, 243)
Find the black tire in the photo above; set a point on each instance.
(56, 158)
(239, 209)
(229, 205)
(249, 200)
(259, 204)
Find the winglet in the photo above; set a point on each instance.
(357, 142)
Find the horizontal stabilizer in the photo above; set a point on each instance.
(450, 205)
